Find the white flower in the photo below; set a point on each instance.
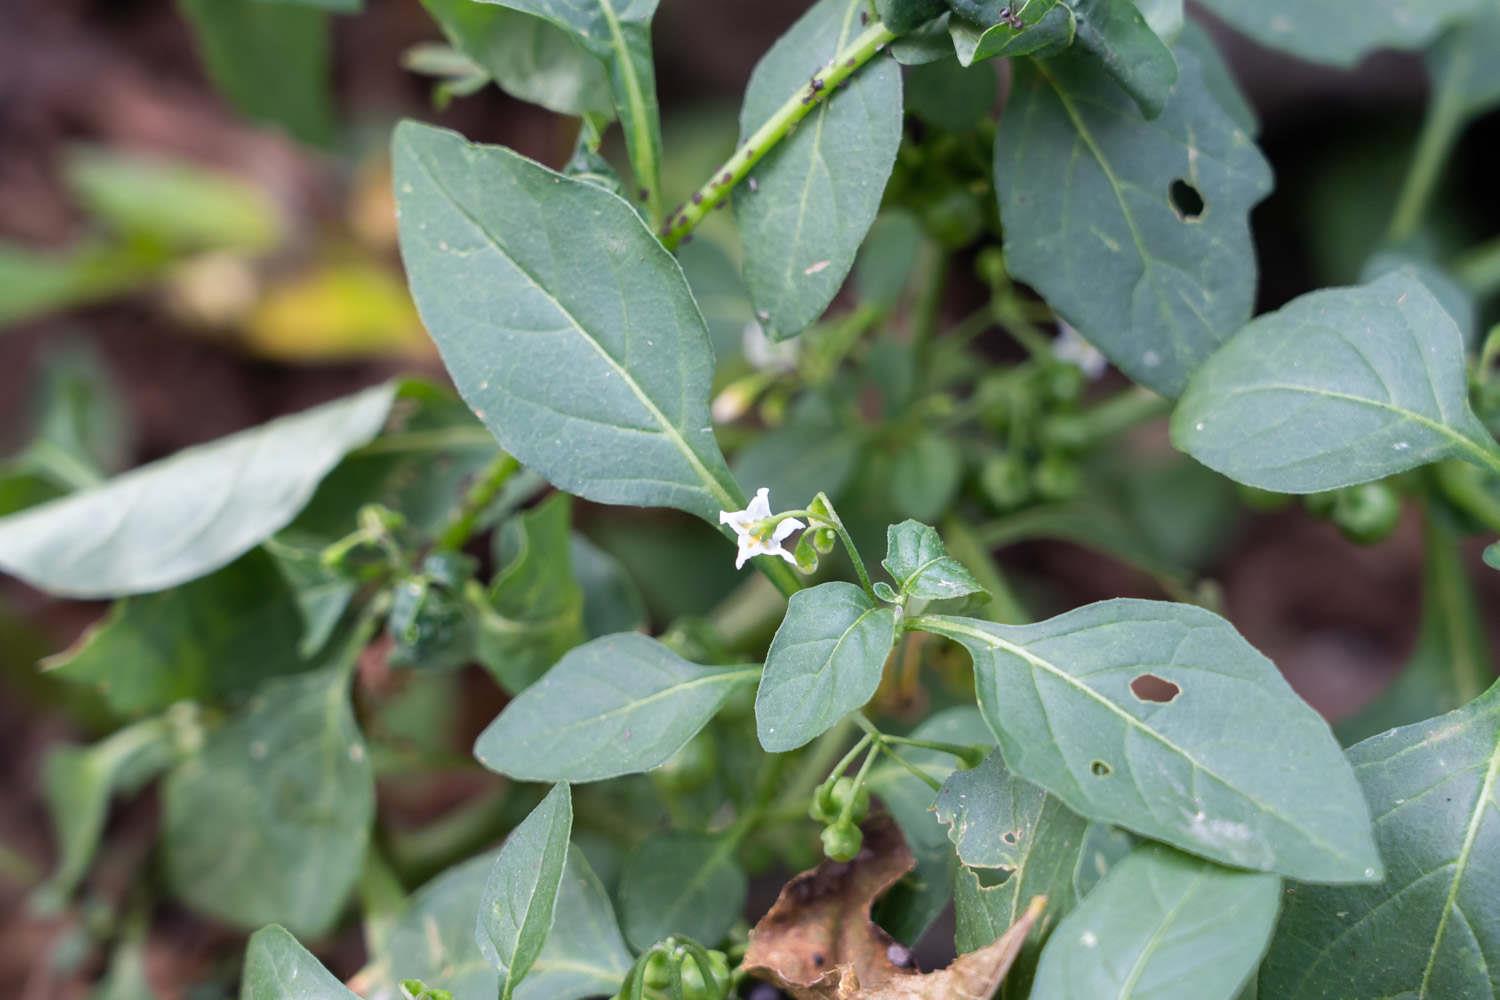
(765, 542)
(765, 354)
(1072, 348)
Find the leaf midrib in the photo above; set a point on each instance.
(706, 479)
(955, 628)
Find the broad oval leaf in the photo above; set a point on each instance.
(567, 327)
(1118, 36)
(277, 967)
(1161, 925)
(1154, 284)
(433, 939)
(1342, 32)
(520, 895)
(617, 705)
(681, 883)
(1162, 719)
(269, 822)
(921, 566)
(1435, 921)
(813, 198)
(1342, 386)
(185, 516)
(825, 662)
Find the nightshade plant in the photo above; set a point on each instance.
(1129, 788)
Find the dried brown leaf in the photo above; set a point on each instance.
(818, 942)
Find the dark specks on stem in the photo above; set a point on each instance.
(726, 178)
(697, 197)
(643, 194)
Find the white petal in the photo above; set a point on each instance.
(789, 557)
(784, 528)
(760, 507)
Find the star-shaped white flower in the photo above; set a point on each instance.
(766, 541)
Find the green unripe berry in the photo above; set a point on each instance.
(658, 971)
(1004, 480)
(1367, 513)
(694, 987)
(856, 800)
(823, 808)
(989, 266)
(842, 841)
(1057, 477)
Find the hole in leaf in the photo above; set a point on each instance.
(1101, 769)
(1187, 201)
(1010, 837)
(991, 878)
(1149, 687)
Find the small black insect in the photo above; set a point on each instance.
(1010, 17)
(816, 84)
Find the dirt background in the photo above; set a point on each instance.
(1339, 619)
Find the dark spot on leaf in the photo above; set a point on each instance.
(817, 958)
(1149, 687)
(1010, 837)
(1186, 200)
(1101, 769)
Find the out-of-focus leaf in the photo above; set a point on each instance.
(681, 883)
(34, 282)
(187, 515)
(270, 59)
(813, 452)
(946, 94)
(926, 472)
(720, 293)
(1463, 63)
(611, 600)
(183, 206)
(209, 640)
(268, 823)
(890, 253)
(78, 783)
(1342, 32)
(1116, 33)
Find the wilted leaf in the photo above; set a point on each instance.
(818, 942)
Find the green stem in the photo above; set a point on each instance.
(929, 307)
(815, 768)
(922, 775)
(481, 493)
(1478, 270)
(846, 814)
(971, 756)
(1440, 128)
(1110, 418)
(865, 46)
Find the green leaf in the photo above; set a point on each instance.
(716, 285)
(910, 907)
(916, 559)
(825, 662)
(185, 516)
(516, 910)
(268, 823)
(336, 6)
(950, 96)
(619, 33)
(1218, 80)
(277, 967)
(1115, 33)
(991, 814)
(78, 783)
(433, 939)
(596, 374)
(1452, 663)
(896, 244)
(611, 600)
(529, 58)
(126, 977)
(1435, 790)
(1131, 712)
(681, 883)
(1342, 386)
(1456, 300)
(208, 641)
(1116, 243)
(1162, 925)
(618, 705)
(813, 452)
(926, 473)
(1046, 27)
(181, 206)
(533, 612)
(1342, 32)
(817, 193)
(270, 59)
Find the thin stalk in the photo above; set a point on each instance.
(969, 755)
(864, 47)
(922, 775)
(1440, 128)
(480, 494)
